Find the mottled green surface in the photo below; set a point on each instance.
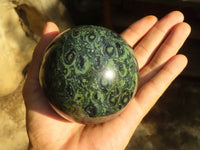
(89, 71)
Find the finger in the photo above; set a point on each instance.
(49, 33)
(169, 48)
(138, 29)
(146, 48)
(31, 87)
(147, 96)
(159, 83)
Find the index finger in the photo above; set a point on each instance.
(138, 29)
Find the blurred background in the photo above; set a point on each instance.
(172, 124)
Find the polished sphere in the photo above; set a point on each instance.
(89, 74)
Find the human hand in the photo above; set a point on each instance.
(155, 43)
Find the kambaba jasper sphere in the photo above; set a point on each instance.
(89, 74)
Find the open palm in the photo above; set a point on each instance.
(155, 43)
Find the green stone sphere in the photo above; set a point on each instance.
(89, 74)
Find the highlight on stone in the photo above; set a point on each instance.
(89, 74)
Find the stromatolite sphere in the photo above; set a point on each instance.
(89, 74)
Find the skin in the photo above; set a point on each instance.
(155, 43)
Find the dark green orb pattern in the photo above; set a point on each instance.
(89, 71)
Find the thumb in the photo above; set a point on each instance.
(31, 85)
(49, 33)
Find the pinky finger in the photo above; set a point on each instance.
(149, 93)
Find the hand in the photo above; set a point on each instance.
(155, 43)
